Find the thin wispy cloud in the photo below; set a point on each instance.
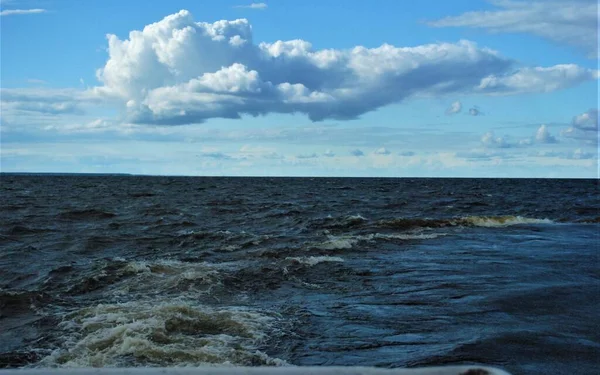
(36, 81)
(570, 22)
(14, 12)
(259, 6)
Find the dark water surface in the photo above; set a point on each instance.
(173, 271)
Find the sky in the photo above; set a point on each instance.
(461, 88)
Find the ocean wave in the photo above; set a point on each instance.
(314, 260)
(338, 243)
(339, 222)
(408, 236)
(86, 214)
(122, 278)
(349, 241)
(164, 276)
(466, 221)
(180, 333)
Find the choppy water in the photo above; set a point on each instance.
(165, 271)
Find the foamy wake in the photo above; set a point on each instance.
(163, 276)
(501, 221)
(314, 260)
(347, 242)
(179, 333)
(408, 237)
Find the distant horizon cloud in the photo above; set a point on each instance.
(11, 12)
(490, 139)
(584, 127)
(543, 135)
(382, 151)
(357, 152)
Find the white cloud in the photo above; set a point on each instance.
(587, 120)
(584, 127)
(455, 107)
(11, 12)
(178, 71)
(543, 135)
(382, 151)
(328, 154)
(570, 22)
(537, 79)
(253, 6)
(489, 139)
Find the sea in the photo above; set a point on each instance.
(129, 271)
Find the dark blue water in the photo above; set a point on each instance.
(165, 271)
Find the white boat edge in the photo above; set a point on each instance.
(291, 370)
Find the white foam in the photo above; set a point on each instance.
(503, 221)
(314, 260)
(337, 243)
(408, 236)
(181, 332)
(162, 276)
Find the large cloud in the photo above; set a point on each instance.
(571, 22)
(178, 71)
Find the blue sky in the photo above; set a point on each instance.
(503, 88)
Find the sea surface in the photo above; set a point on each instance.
(185, 271)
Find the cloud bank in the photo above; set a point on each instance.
(178, 71)
(570, 22)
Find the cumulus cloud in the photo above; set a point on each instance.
(455, 107)
(474, 111)
(329, 154)
(178, 71)
(584, 127)
(382, 151)
(252, 6)
(490, 139)
(543, 135)
(587, 120)
(570, 22)
(357, 152)
(11, 12)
